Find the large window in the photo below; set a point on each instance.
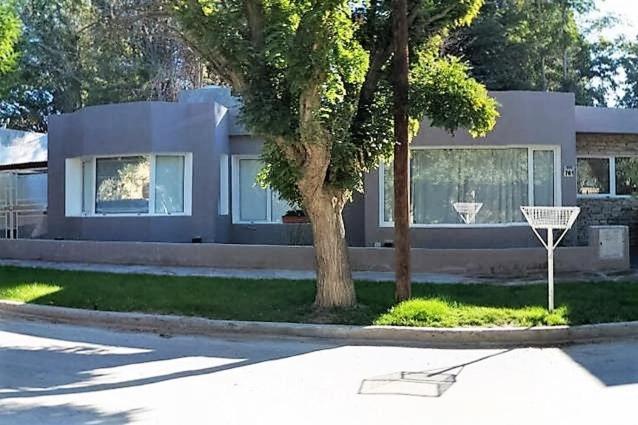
(498, 181)
(251, 202)
(121, 185)
(608, 176)
(129, 185)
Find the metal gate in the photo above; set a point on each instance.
(23, 204)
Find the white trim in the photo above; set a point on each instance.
(235, 204)
(530, 176)
(187, 186)
(72, 186)
(223, 204)
(556, 149)
(151, 184)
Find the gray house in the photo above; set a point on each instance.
(185, 171)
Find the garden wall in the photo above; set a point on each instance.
(492, 262)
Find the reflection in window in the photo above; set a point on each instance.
(543, 178)
(257, 204)
(169, 184)
(252, 198)
(122, 185)
(626, 175)
(593, 176)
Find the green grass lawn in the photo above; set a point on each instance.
(291, 301)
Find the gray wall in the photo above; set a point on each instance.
(137, 128)
(287, 234)
(527, 118)
(479, 262)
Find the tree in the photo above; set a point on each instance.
(535, 45)
(10, 29)
(401, 71)
(87, 52)
(629, 62)
(315, 83)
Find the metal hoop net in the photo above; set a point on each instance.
(467, 210)
(551, 217)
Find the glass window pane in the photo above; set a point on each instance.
(626, 176)
(122, 185)
(32, 188)
(87, 186)
(544, 178)
(593, 176)
(279, 207)
(169, 184)
(495, 178)
(252, 198)
(388, 193)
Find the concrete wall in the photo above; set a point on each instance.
(527, 118)
(491, 262)
(606, 120)
(137, 128)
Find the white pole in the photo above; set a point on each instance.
(550, 268)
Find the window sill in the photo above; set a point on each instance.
(604, 196)
(255, 223)
(127, 215)
(458, 226)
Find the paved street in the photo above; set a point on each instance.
(57, 374)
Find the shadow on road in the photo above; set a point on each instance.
(612, 364)
(63, 414)
(75, 361)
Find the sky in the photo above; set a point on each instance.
(625, 10)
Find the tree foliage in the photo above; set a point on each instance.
(88, 52)
(315, 80)
(10, 28)
(536, 45)
(628, 60)
(316, 73)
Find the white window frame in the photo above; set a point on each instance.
(222, 206)
(530, 183)
(236, 218)
(74, 196)
(612, 176)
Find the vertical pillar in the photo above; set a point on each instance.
(550, 269)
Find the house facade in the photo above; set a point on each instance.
(185, 172)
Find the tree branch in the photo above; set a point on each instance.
(255, 18)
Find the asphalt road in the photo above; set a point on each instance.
(57, 374)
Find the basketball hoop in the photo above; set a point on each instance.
(467, 210)
(550, 219)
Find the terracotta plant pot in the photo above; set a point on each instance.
(294, 219)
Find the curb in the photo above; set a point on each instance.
(399, 335)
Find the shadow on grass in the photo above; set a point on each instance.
(291, 301)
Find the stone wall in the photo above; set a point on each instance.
(602, 211)
(606, 144)
(612, 210)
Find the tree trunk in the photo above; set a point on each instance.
(400, 70)
(335, 287)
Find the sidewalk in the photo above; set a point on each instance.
(231, 273)
(436, 278)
